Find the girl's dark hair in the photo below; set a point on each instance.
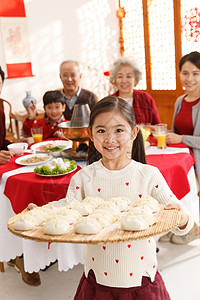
(120, 106)
(193, 57)
(2, 74)
(53, 96)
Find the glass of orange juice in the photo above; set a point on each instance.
(161, 130)
(37, 134)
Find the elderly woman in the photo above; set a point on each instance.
(125, 75)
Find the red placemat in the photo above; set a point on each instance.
(174, 168)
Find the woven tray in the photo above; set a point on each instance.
(167, 219)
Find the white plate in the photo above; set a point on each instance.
(36, 147)
(56, 174)
(19, 159)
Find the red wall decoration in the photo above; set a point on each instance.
(15, 38)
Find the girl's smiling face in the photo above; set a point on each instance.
(111, 135)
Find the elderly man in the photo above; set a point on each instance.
(70, 76)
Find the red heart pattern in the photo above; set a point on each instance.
(129, 246)
(117, 260)
(127, 183)
(99, 190)
(156, 186)
(140, 195)
(77, 187)
(93, 258)
(104, 247)
(142, 257)
(131, 274)
(105, 273)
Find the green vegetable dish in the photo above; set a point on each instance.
(53, 168)
(52, 148)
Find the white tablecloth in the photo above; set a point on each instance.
(37, 255)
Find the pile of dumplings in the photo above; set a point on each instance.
(88, 216)
(141, 216)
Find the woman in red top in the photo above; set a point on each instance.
(125, 75)
(186, 127)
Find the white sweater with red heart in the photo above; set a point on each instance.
(122, 264)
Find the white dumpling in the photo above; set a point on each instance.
(121, 204)
(134, 223)
(84, 208)
(108, 205)
(149, 201)
(108, 214)
(87, 225)
(137, 222)
(94, 201)
(128, 201)
(103, 220)
(25, 222)
(140, 210)
(67, 164)
(57, 226)
(39, 215)
(60, 202)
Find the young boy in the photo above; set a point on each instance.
(54, 106)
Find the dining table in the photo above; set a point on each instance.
(19, 186)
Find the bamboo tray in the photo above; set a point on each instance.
(167, 220)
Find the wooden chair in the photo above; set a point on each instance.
(10, 134)
(1, 267)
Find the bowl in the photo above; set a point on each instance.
(17, 148)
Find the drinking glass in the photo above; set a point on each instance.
(161, 130)
(37, 134)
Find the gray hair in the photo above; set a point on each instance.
(70, 61)
(125, 61)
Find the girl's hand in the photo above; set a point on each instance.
(5, 156)
(184, 215)
(32, 111)
(31, 206)
(173, 138)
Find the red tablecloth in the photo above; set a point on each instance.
(174, 168)
(25, 188)
(21, 189)
(11, 165)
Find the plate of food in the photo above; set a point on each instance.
(33, 159)
(53, 146)
(56, 167)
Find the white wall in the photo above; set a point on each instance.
(84, 30)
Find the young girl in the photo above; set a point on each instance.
(121, 270)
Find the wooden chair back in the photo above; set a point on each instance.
(10, 134)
